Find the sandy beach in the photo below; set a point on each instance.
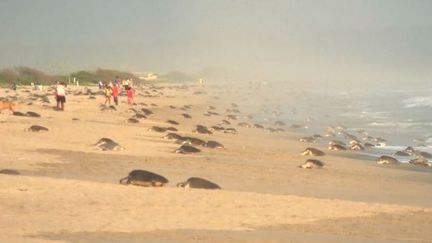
(69, 191)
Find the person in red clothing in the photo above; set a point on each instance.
(115, 93)
(130, 94)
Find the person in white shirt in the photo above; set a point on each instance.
(60, 95)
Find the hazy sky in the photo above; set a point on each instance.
(339, 40)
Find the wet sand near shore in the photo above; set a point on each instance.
(68, 191)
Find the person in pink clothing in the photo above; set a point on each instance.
(115, 93)
(130, 95)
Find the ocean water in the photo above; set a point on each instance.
(402, 117)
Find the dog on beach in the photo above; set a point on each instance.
(4, 105)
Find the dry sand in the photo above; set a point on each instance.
(68, 191)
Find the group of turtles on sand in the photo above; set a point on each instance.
(382, 160)
(365, 141)
(149, 179)
(334, 144)
(312, 163)
(421, 158)
(190, 144)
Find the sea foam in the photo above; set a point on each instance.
(419, 101)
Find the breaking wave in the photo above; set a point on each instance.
(419, 101)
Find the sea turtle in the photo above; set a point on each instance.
(107, 144)
(37, 128)
(420, 161)
(144, 178)
(32, 114)
(157, 129)
(202, 129)
(187, 149)
(387, 160)
(312, 163)
(337, 147)
(307, 139)
(9, 172)
(192, 141)
(133, 120)
(198, 183)
(357, 146)
(313, 151)
(172, 122)
(213, 144)
(172, 136)
(185, 115)
(401, 153)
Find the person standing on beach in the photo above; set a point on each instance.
(108, 93)
(125, 83)
(130, 94)
(117, 80)
(60, 95)
(115, 92)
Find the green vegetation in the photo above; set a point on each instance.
(26, 75)
(103, 75)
